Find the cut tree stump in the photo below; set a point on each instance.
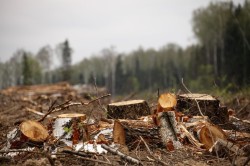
(29, 131)
(34, 131)
(209, 106)
(131, 109)
(69, 127)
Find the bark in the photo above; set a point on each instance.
(131, 109)
(70, 127)
(168, 130)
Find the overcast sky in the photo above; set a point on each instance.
(91, 25)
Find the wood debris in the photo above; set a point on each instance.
(176, 124)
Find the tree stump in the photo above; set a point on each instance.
(131, 109)
(29, 131)
(70, 128)
(209, 106)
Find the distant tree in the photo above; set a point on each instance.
(44, 57)
(65, 54)
(27, 76)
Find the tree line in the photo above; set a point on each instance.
(220, 58)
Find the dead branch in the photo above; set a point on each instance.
(19, 150)
(35, 112)
(98, 98)
(83, 156)
(190, 137)
(194, 99)
(48, 112)
(123, 156)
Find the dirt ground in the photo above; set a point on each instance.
(13, 110)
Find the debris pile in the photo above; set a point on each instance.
(194, 121)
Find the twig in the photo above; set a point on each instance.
(83, 156)
(123, 156)
(48, 112)
(238, 113)
(99, 102)
(151, 153)
(128, 97)
(194, 98)
(35, 112)
(19, 150)
(98, 98)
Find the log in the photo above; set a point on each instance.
(168, 130)
(237, 125)
(70, 128)
(131, 109)
(209, 106)
(206, 133)
(220, 147)
(118, 133)
(166, 102)
(136, 128)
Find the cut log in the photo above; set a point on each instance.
(131, 109)
(209, 106)
(166, 102)
(136, 128)
(118, 133)
(206, 133)
(70, 128)
(168, 130)
(34, 131)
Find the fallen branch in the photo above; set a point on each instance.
(83, 156)
(194, 99)
(98, 98)
(123, 156)
(35, 112)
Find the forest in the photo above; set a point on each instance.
(218, 60)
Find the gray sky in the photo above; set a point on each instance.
(91, 25)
